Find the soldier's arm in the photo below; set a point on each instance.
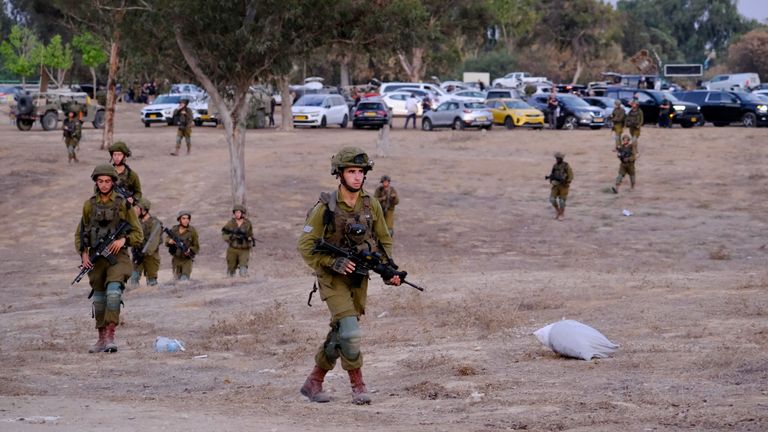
(84, 220)
(157, 231)
(136, 185)
(311, 233)
(380, 228)
(569, 174)
(136, 236)
(640, 117)
(250, 229)
(227, 226)
(195, 246)
(395, 197)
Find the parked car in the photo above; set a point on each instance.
(8, 93)
(161, 110)
(574, 111)
(372, 112)
(686, 114)
(722, 108)
(514, 113)
(396, 102)
(188, 89)
(739, 81)
(51, 107)
(498, 93)
(516, 79)
(606, 104)
(390, 87)
(320, 110)
(201, 114)
(469, 95)
(458, 115)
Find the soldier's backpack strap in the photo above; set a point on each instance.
(329, 199)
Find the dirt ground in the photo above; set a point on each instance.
(680, 284)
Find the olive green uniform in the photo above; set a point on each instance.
(388, 199)
(345, 295)
(627, 155)
(150, 249)
(185, 121)
(239, 250)
(617, 118)
(129, 180)
(181, 264)
(559, 192)
(634, 121)
(73, 131)
(99, 220)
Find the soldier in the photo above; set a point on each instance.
(182, 260)
(184, 119)
(238, 232)
(634, 121)
(73, 131)
(627, 154)
(388, 198)
(560, 178)
(126, 177)
(102, 213)
(146, 256)
(347, 217)
(664, 110)
(553, 108)
(617, 118)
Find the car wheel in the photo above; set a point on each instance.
(323, 122)
(24, 124)
(687, 125)
(749, 119)
(570, 123)
(344, 122)
(426, 124)
(458, 124)
(489, 127)
(99, 119)
(49, 120)
(509, 123)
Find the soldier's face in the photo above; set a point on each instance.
(354, 177)
(137, 209)
(238, 214)
(118, 157)
(104, 183)
(184, 221)
(385, 183)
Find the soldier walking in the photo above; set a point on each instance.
(560, 178)
(146, 256)
(238, 233)
(617, 118)
(627, 154)
(184, 119)
(73, 131)
(183, 257)
(127, 178)
(102, 213)
(388, 199)
(634, 121)
(348, 218)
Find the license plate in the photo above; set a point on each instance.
(300, 117)
(205, 117)
(693, 120)
(598, 119)
(370, 114)
(153, 116)
(481, 118)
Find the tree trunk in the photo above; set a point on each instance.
(577, 74)
(114, 62)
(286, 122)
(414, 68)
(43, 80)
(382, 142)
(93, 74)
(344, 69)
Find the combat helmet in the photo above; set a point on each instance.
(182, 213)
(120, 147)
(559, 155)
(240, 207)
(349, 157)
(144, 203)
(385, 178)
(104, 170)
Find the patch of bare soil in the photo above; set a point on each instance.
(680, 284)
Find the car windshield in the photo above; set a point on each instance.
(167, 99)
(518, 105)
(310, 100)
(475, 105)
(574, 101)
(670, 97)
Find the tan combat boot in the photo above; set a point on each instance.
(100, 344)
(110, 345)
(359, 392)
(313, 386)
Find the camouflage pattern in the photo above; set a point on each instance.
(130, 181)
(239, 250)
(185, 121)
(634, 122)
(182, 265)
(73, 131)
(388, 199)
(151, 264)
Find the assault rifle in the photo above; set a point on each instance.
(367, 261)
(554, 176)
(624, 155)
(123, 192)
(69, 129)
(102, 250)
(185, 250)
(241, 235)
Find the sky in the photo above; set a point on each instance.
(755, 9)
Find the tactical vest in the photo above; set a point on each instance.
(339, 225)
(560, 172)
(123, 179)
(104, 218)
(238, 242)
(633, 119)
(618, 115)
(186, 238)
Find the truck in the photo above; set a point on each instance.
(50, 108)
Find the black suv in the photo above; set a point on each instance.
(686, 114)
(574, 112)
(371, 112)
(725, 107)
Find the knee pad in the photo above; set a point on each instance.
(553, 201)
(350, 336)
(99, 303)
(114, 295)
(562, 203)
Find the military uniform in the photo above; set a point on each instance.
(239, 250)
(634, 121)
(388, 199)
(73, 131)
(107, 280)
(181, 264)
(617, 118)
(148, 253)
(126, 178)
(560, 178)
(627, 155)
(184, 120)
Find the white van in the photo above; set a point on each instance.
(320, 110)
(739, 81)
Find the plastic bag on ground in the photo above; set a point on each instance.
(571, 338)
(164, 344)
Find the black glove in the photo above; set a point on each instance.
(340, 265)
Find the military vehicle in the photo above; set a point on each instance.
(50, 108)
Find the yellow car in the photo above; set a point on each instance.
(514, 113)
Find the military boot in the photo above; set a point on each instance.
(110, 345)
(135, 276)
(243, 271)
(100, 344)
(359, 392)
(313, 386)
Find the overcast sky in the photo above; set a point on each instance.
(755, 9)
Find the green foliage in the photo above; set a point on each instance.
(19, 51)
(55, 55)
(91, 49)
(497, 63)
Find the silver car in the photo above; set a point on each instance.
(458, 115)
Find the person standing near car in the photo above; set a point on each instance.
(664, 110)
(272, 103)
(634, 121)
(73, 131)
(411, 109)
(183, 119)
(617, 119)
(553, 108)
(560, 178)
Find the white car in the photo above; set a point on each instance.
(396, 103)
(201, 114)
(320, 110)
(517, 79)
(469, 95)
(188, 89)
(161, 110)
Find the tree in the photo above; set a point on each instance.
(18, 52)
(515, 19)
(750, 53)
(55, 59)
(92, 52)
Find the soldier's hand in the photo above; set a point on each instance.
(116, 245)
(130, 200)
(171, 241)
(343, 265)
(86, 261)
(394, 281)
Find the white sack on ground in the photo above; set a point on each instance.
(573, 339)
